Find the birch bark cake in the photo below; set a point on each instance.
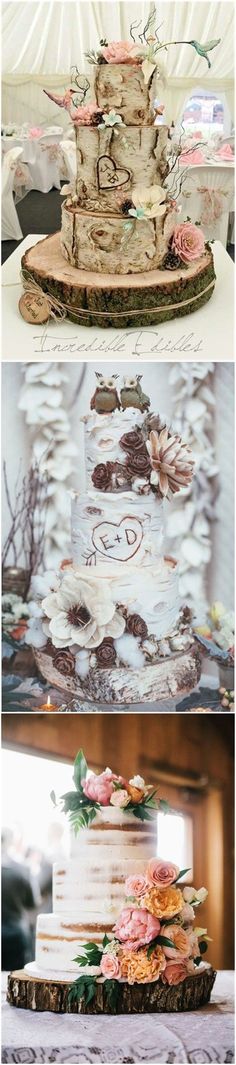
(121, 916)
(110, 624)
(120, 221)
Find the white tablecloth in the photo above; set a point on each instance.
(205, 1035)
(208, 197)
(205, 335)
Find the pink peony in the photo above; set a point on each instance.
(136, 927)
(120, 798)
(119, 52)
(110, 966)
(160, 873)
(181, 942)
(83, 115)
(188, 242)
(136, 885)
(175, 972)
(99, 788)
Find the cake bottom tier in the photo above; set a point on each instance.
(118, 301)
(168, 678)
(61, 937)
(38, 993)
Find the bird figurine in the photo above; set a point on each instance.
(105, 399)
(132, 395)
(62, 101)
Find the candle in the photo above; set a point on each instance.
(48, 705)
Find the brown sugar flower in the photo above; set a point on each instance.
(137, 626)
(132, 441)
(171, 461)
(101, 476)
(138, 464)
(64, 661)
(106, 653)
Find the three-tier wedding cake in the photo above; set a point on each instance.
(123, 257)
(112, 628)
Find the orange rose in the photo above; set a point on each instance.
(136, 794)
(163, 902)
(136, 967)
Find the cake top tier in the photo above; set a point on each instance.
(122, 88)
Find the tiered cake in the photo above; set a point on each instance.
(112, 629)
(121, 232)
(121, 916)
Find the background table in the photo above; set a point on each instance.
(208, 197)
(42, 155)
(206, 1035)
(206, 334)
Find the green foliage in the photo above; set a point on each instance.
(80, 770)
(92, 955)
(84, 987)
(164, 806)
(53, 798)
(111, 988)
(159, 941)
(180, 874)
(203, 946)
(105, 941)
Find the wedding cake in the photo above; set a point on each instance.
(123, 256)
(109, 625)
(120, 914)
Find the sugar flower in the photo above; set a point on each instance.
(171, 461)
(188, 242)
(81, 613)
(150, 200)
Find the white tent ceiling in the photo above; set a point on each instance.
(49, 36)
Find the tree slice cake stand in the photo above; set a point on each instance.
(122, 300)
(39, 994)
(168, 678)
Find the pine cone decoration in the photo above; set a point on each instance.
(96, 118)
(171, 261)
(171, 460)
(126, 206)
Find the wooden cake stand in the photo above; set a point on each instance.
(38, 994)
(168, 678)
(118, 300)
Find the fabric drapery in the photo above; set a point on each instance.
(42, 41)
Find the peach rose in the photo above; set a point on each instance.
(136, 794)
(120, 798)
(179, 938)
(163, 902)
(175, 972)
(136, 927)
(119, 52)
(188, 242)
(160, 873)
(138, 968)
(110, 966)
(136, 885)
(99, 788)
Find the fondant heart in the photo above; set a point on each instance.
(109, 175)
(120, 541)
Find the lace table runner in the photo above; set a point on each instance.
(205, 1035)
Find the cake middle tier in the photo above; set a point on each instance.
(110, 162)
(91, 240)
(112, 529)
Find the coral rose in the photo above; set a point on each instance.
(160, 873)
(138, 968)
(120, 798)
(179, 938)
(136, 927)
(188, 242)
(163, 902)
(99, 788)
(110, 966)
(119, 52)
(176, 972)
(136, 885)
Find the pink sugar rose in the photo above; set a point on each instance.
(188, 242)
(136, 885)
(83, 115)
(119, 52)
(181, 942)
(110, 966)
(175, 972)
(99, 788)
(161, 873)
(136, 927)
(120, 798)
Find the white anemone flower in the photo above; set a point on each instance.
(150, 199)
(81, 613)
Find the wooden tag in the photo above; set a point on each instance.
(34, 308)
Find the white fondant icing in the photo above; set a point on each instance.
(111, 527)
(102, 435)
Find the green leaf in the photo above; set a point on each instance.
(181, 873)
(84, 986)
(203, 946)
(80, 769)
(141, 813)
(111, 988)
(53, 798)
(164, 806)
(197, 961)
(92, 955)
(106, 940)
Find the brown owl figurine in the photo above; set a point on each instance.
(132, 395)
(105, 399)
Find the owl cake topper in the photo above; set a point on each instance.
(105, 398)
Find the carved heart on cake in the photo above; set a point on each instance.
(109, 175)
(120, 541)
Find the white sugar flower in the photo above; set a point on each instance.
(150, 199)
(138, 782)
(81, 613)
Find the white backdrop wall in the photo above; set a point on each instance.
(42, 40)
(16, 445)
